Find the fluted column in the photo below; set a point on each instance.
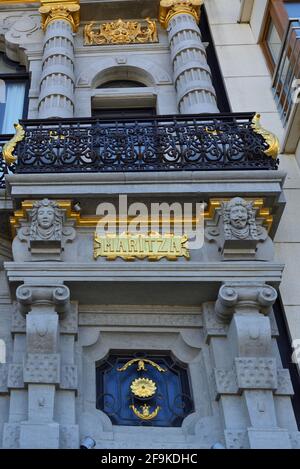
(60, 21)
(192, 75)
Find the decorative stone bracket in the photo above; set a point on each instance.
(36, 296)
(244, 297)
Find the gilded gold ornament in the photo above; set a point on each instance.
(170, 8)
(131, 246)
(145, 414)
(67, 10)
(93, 220)
(143, 387)
(121, 32)
(141, 364)
(259, 204)
(270, 138)
(9, 147)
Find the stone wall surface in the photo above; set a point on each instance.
(62, 310)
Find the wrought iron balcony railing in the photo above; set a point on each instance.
(163, 143)
(286, 79)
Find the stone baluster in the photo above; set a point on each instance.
(192, 75)
(60, 20)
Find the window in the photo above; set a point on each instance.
(123, 102)
(143, 389)
(281, 45)
(278, 15)
(13, 94)
(293, 9)
(273, 42)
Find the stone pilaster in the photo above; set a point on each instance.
(60, 21)
(192, 76)
(248, 377)
(49, 320)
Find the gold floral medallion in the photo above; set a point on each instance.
(143, 387)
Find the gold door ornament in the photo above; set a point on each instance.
(145, 413)
(140, 362)
(121, 32)
(143, 387)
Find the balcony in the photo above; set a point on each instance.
(164, 143)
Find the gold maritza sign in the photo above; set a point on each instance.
(152, 246)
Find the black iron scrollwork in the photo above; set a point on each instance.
(163, 143)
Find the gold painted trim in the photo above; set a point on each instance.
(8, 2)
(9, 147)
(170, 8)
(93, 220)
(28, 204)
(270, 138)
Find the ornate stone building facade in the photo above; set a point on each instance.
(140, 340)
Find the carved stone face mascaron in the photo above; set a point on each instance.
(45, 217)
(238, 216)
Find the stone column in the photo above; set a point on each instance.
(251, 386)
(60, 21)
(192, 75)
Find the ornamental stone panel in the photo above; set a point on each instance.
(256, 373)
(42, 368)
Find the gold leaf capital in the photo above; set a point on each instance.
(52, 10)
(170, 8)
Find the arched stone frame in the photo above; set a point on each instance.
(199, 430)
(158, 83)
